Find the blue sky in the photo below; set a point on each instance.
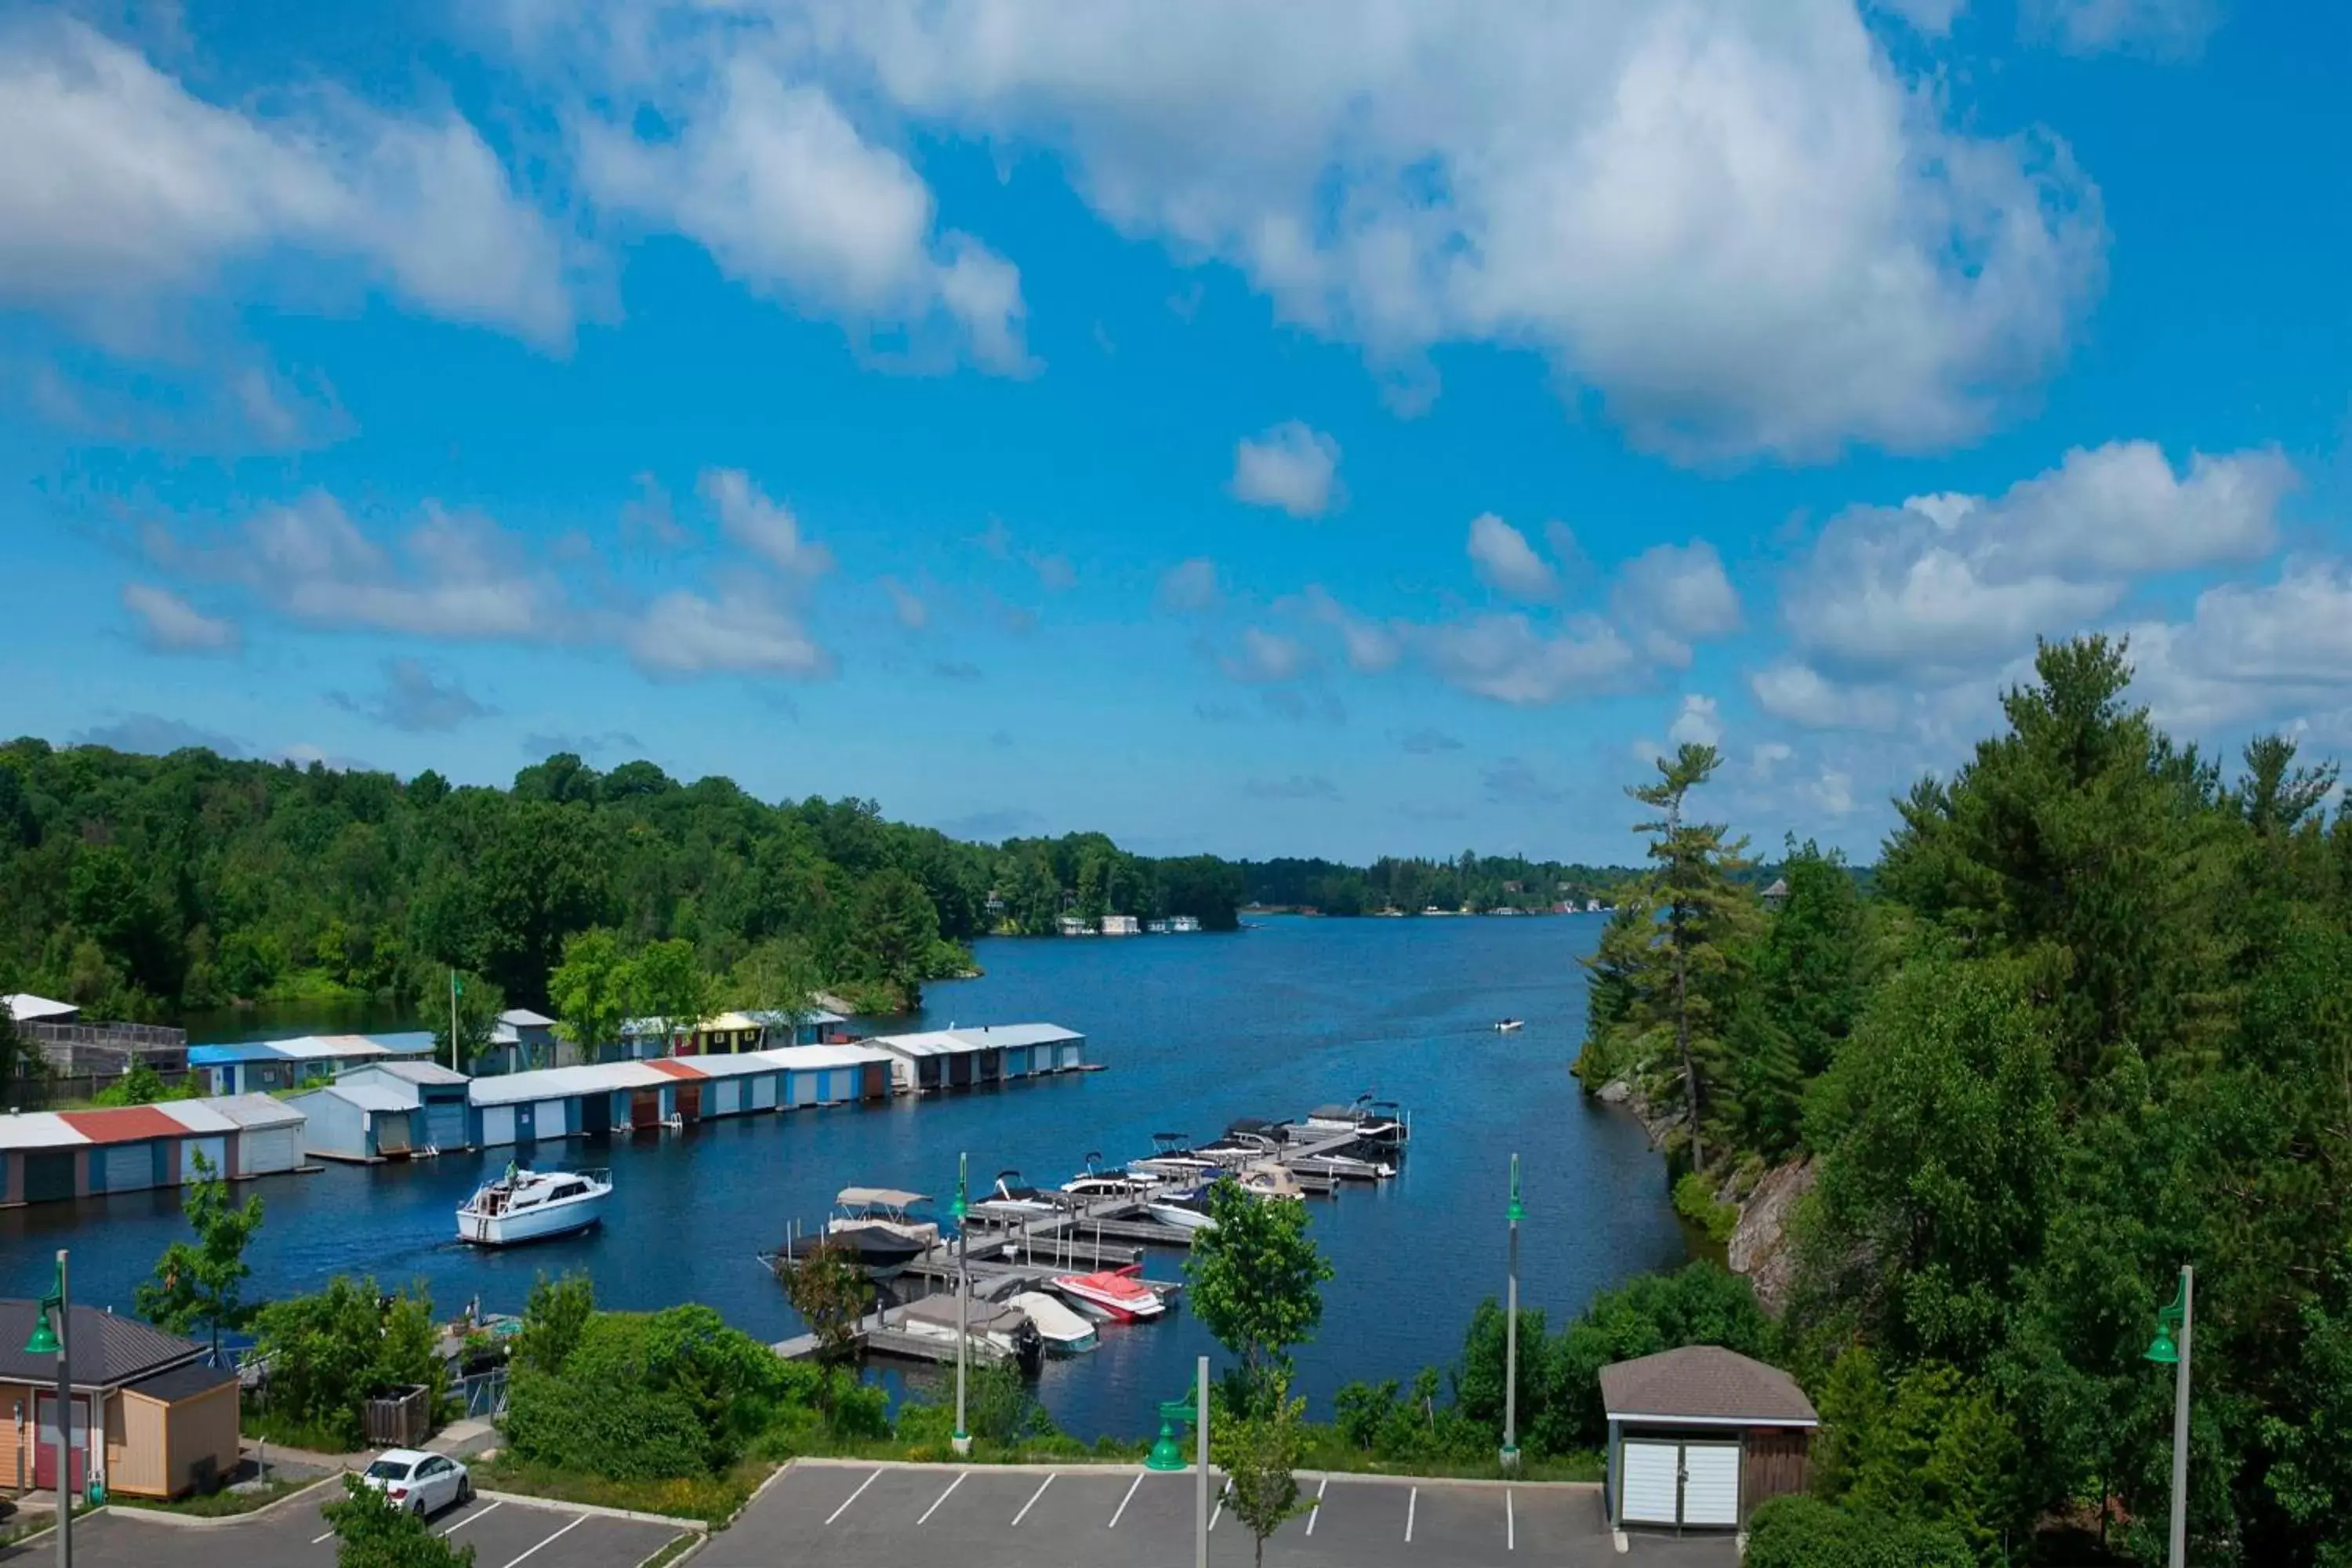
(1336, 429)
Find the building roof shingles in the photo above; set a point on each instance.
(1705, 1383)
(104, 1350)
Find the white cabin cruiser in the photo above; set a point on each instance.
(530, 1205)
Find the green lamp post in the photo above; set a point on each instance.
(1515, 1213)
(1166, 1453)
(2170, 1348)
(963, 1300)
(50, 1329)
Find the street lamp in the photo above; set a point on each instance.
(2170, 1348)
(48, 1337)
(1516, 1213)
(963, 1301)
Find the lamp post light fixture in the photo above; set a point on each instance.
(50, 1332)
(1515, 1213)
(959, 1208)
(2170, 1348)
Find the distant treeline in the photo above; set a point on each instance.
(139, 887)
(1476, 882)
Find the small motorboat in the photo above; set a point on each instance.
(1509, 1025)
(999, 1330)
(1064, 1331)
(880, 1254)
(1185, 1211)
(1094, 1182)
(1173, 1159)
(1114, 1294)
(885, 1208)
(532, 1206)
(1009, 1199)
(1375, 1122)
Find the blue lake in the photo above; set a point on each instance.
(1193, 1031)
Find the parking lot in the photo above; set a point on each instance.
(865, 1516)
(504, 1534)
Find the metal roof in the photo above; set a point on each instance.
(371, 1096)
(524, 1018)
(255, 1110)
(102, 1351)
(994, 1034)
(739, 1064)
(314, 1047)
(1704, 1383)
(415, 1072)
(562, 1083)
(928, 1042)
(123, 1124)
(26, 1008)
(37, 1129)
(184, 1381)
(198, 1116)
(815, 1058)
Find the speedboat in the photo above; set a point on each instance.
(999, 1330)
(1010, 1199)
(885, 1207)
(1064, 1331)
(1094, 1182)
(1377, 1121)
(530, 1205)
(1509, 1025)
(1185, 1211)
(879, 1252)
(1114, 1294)
(1173, 1159)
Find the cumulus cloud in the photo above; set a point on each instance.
(1506, 562)
(1746, 227)
(413, 700)
(746, 627)
(1800, 695)
(1372, 647)
(124, 191)
(1189, 586)
(1508, 658)
(2252, 652)
(169, 624)
(1950, 582)
(1673, 596)
(768, 529)
(2164, 28)
(1264, 656)
(1292, 466)
(1697, 723)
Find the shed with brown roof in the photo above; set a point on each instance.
(167, 1423)
(1699, 1436)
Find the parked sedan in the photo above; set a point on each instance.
(422, 1483)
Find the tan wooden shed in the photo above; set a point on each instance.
(177, 1432)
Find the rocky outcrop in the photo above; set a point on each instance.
(1759, 1245)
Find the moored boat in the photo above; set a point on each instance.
(885, 1208)
(1064, 1331)
(1185, 1210)
(1114, 1294)
(532, 1206)
(998, 1328)
(878, 1252)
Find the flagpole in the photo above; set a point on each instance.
(453, 1020)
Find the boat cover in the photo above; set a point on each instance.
(891, 1195)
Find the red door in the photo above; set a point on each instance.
(45, 1460)
(690, 1102)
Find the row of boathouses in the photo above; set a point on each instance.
(374, 1097)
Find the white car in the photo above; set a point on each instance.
(422, 1483)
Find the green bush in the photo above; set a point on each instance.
(328, 1353)
(1700, 1304)
(1694, 1200)
(1806, 1533)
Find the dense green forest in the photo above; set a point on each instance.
(141, 887)
(2093, 1022)
(1478, 882)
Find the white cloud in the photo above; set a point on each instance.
(2174, 28)
(2251, 653)
(911, 612)
(745, 628)
(766, 528)
(1189, 586)
(1504, 561)
(1672, 595)
(1799, 694)
(123, 192)
(766, 172)
(1507, 659)
(1766, 759)
(172, 625)
(1291, 466)
(1833, 791)
(1372, 647)
(1268, 655)
(1697, 724)
(1950, 582)
(1744, 224)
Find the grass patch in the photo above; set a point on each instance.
(226, 1503)
(267, 1427)
(714, 1500)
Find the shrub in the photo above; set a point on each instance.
(1806, 1533)
(1700, 1304)
(328, 1353)
(1694, 1200)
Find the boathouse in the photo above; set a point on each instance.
(50, 1155)
(167, 1423)
(439, 1105)
(1030, 1050)
(934, 1059)
(259, 1067)
(837, 1074)
(1699, 1436)
(372, 1115)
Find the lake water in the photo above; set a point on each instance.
(1193, 1031)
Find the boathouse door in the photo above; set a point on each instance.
(392, 1134)
(645, 1108)
(690, 1102)
(877, 1081)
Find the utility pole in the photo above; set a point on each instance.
(963, 1303)
(1200, 1481)
(50, 1332)
(1515, 1213)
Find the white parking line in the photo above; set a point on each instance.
(943, 1497)
(477, 1513)
(1317, 1511)
(1125, 1500)
(853, 1497)
(1032, 1500)
(314, 1540)
(577, 1520)
(1510, 1523)
(1220, 1504)
(1412, 1502)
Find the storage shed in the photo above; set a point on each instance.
(361, 1121)
(1698, 1437)
(165, 1422)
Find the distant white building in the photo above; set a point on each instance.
(1122, 925)
(1075, 925)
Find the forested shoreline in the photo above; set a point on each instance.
(2093, 1022)
(1410, 884)
(143, 887)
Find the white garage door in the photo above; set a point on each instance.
(805, 1088)
(1711, 1483)
(548, 1119)
(270, 1148)
(497, 1125)
(1649, 1489)
(764, 1092)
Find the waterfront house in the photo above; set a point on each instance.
(1699, 1436)
(521, 1038)
(50, 1155)
(1075, 925)
(1120, 925)
(167, 1423)
(1183, 925)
